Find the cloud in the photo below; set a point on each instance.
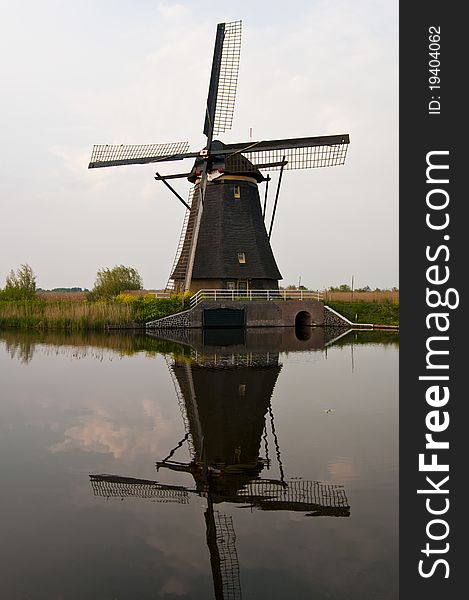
(73, 159)
(171, 11)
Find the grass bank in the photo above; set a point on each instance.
(377, 313)
(64, 316)
(123, 312)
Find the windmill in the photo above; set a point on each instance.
(225, 400)
(224, 241)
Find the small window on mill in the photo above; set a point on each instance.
(237, 191)
(241, 257)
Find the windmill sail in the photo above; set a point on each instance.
(223, 79)
(181, 259)
(294, 153)
(112, 155)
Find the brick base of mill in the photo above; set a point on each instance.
(285, 313)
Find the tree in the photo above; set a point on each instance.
(20, 285)
(112, 282)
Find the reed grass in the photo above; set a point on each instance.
(376, 296)
(65, 315)
(57, 296)
(123, 312)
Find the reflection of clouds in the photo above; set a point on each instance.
(142, 432)
(174, 586)
(180, 548)
(176, 535)
(343, 470)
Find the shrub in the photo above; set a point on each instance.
(111, 282)
(20, 285)
(148, 308)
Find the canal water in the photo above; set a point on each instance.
(217, 465)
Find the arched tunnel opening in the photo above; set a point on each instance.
(303, 319)
(303, 326)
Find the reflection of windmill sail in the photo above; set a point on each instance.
(221, 541)
(184, 385)
(298, 495)
(315, 497)
(113, 486)
(320, 499)
(182, 406)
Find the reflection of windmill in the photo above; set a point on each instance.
(224, 242)
(225, 402)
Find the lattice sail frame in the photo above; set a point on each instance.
(228, 78)
(299, 158)
(298, 492)
(106, 155)
(302, 157)
(229, 563)
(109, 486)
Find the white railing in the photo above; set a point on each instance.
(266, 295)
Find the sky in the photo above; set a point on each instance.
(74, 74)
